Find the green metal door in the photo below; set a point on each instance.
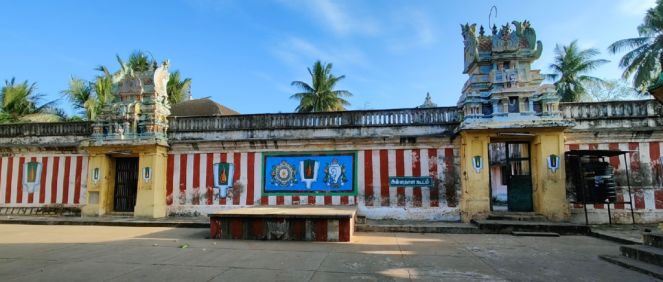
(519, 189)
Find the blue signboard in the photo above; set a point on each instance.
(309, 173)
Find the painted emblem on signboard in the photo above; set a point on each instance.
(477, 163)
(223, 178)
(147, 174)
(96, 175)
(335, 174)
(553, 163)
(308, 169)
(283, 174)
(31, 173)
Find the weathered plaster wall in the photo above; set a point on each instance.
(190, 180)
(62, 179)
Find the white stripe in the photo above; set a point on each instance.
(391, 163)
(423, 167)
(351, 200)
(603, 146)
(243, 179)
(49, 180)
(257, 178)
(361, 183)
(287, 200)
(271, 200)
(336, 200)
(83, 196)
(3, 180)
(176, 180)
(189, 179)
(15, 180)
(60, 184)
(377, 198)
(303, 200)
(441, 170)
(407, 171)
(643, 150)
(37, 190)
(24, 190)
(202, 179)
(622, 165)
(319, 200)
(72, 179)
(584, 147)
(650, 201)
(216, 158)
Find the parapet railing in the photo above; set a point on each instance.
(46, 129)
(372, 118)
(611, 110)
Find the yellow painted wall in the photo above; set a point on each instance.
(549, 188)
(151, 198)
(475, 196)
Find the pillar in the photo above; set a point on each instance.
(475, 198)
(151, 196)
(549, 188)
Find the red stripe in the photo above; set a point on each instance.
(432, 171)
(620, 200)
(320, 229)
(574, 146)
(238, 174)
(345, 200)
(209, 178)
(295, 199)
(658, 197)
(169, 179)
(19, 185)
(614, 161)
(311, 200)
(54, 180)
(449, 168)
(654, 160)
(400, 171)
(224, 157)
(639, 199)
(42, 183)
(416, 171)
(77, 187)
(2, 177)
(196, 180)
(264, 200)
(593, 146)
(368, 177)
(250, 174)
(328, 200)
(181, 195)
(65, 186)
(31, 196)
(280, 200)
(384, 178)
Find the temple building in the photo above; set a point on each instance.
(504, 147)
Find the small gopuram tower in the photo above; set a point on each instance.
(505, 106)
(128, 147)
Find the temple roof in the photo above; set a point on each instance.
(200, 107)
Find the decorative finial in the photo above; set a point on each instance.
(494, 30)
(481, 31)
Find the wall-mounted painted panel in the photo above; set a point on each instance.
(329, 173)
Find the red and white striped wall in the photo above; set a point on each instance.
(646, 179)
(63, 180)
(190, 181)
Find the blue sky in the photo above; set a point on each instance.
(244, 54)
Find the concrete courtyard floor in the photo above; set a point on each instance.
(103, 253)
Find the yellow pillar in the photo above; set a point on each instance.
(101, 177)
(549, 188)
(475, 198)
(151, 197)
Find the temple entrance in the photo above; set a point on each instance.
(510, 177)
(126, 184)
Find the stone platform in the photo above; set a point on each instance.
(284, 223)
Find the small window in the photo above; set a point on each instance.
(507, 65)
(514, 106)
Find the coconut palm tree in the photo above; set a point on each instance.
(139, 61)
(570, 70)
(177, 89)
(320, 95)
(81, 94)
(644, 60)
(18, 103)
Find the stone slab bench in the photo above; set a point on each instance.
(284, 223)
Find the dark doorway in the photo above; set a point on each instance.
(510, 177)
(126, 184)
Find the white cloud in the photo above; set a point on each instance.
(336, 16)
(298, 52)
(635, 7)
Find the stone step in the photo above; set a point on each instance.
(509, 226)
(653, 239)
(416, 227)
(642, 253)
(536, 234)
(642, 267)
(517, 216)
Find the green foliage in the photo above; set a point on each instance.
(570, 70)
(18, 103)
(139, 62)
(81, 95)
(177, 89)
(644, 60)
(320, 95)
(612, 90)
